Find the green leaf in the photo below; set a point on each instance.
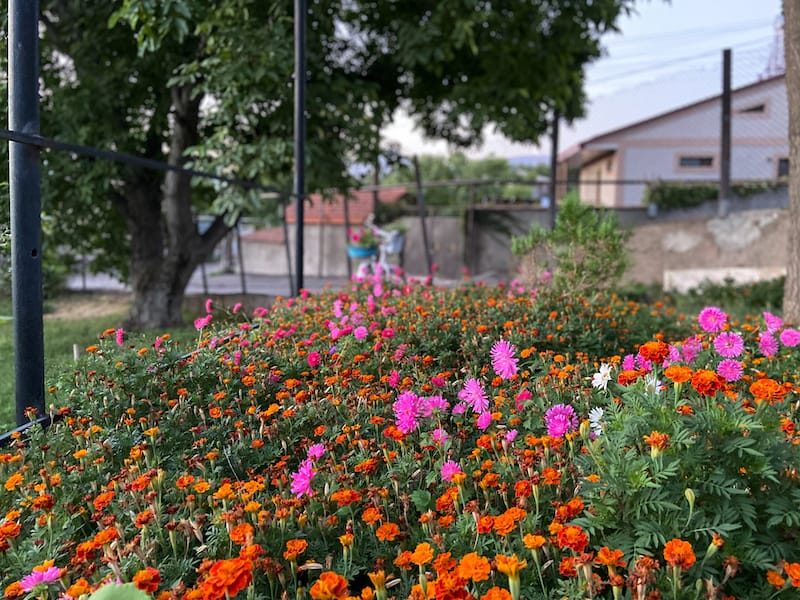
(126, 591)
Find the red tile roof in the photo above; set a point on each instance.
(331, 212)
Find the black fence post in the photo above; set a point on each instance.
(26, 206)
(299, 134)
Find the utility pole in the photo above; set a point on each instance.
(299, 136)
(724, 202)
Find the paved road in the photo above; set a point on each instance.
(217, 282)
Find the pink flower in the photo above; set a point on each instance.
(360, 332)
(313, 359)
(119, 334)
(511, 435)
(560, 420)
(768, 344)
(439, 436)
(790, 337)
(50, 575)
(730, 370)
(438, 382)
(316, 451)
(691, 348)
(208, 305)
(449, 469)
(484, 420)
(387, 333)
(729, 345)
(202, 322)
(521, 398)
(406, 410)
(773, 323)
(301, 481)
(629, 363)
(474, 396)
(236, 307)
(394, 379)
(504, 362)
(712, 319)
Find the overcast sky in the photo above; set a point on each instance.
(667, 55)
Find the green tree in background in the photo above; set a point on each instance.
(209, 83)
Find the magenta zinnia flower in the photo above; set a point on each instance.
(504, 362)
(691, 348)
(730, 370)
(47, 576)
(449, 469)
(729, 345)
(301, 481)
(712, 319)
(560, 420)
(768, 344)
(406, 410)
(474, 396)
(774, 323)
(484, 420)
(790, 337)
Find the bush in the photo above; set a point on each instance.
(671, 196)
(584, 253)
(417, 439)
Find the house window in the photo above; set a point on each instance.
(754, 109)
(696, 162)
(783, 167)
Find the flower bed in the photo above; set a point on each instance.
(480, 442)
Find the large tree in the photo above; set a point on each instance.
(791, 26)
(209, 82)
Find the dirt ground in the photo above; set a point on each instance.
(83, 305)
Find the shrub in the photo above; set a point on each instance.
(584, 253)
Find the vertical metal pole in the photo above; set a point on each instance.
(422, 212)
(553, 170)
(725, 138)
(240, 255)
(299, 132)
(26, 206)
(346, 201)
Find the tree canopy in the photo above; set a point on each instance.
(209, 83)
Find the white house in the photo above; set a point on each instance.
(684, 145)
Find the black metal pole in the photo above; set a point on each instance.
(299, 133)
(26, 205)
(422, 213)
(723, 206)
(553, 170)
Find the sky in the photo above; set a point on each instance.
(666, 55)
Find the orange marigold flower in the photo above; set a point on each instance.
(533, 542)
(403, 561)
(485, 524)
(423, 554)
(329, 586)
(13, 482)
(775, 579)
(105, 536)
(474, 567)
(387, 532)
(510, 565)
(657, 440)
(706, 383)
(567, 567)
(228, 577)
(678, 373)
(793, 571)
(294, 548)
(497, 593)
(573, 537)
(679, 553)
(102, 500)
(655, 351)
(609, 558)
(345, 497)
(9, 530)
(767, 390)
(551, 476)
(14, 591)
(147, 580)
(627, 377)
(79, 588)
(371, 515)
(242, 534)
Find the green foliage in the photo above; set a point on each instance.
(186, 457)
(671, 196)
(125, 591)
(584, 253)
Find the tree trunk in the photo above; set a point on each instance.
(791, 26)
(166, 247)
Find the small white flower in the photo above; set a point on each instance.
(652, 385)
(595, 415)
(602, 377)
